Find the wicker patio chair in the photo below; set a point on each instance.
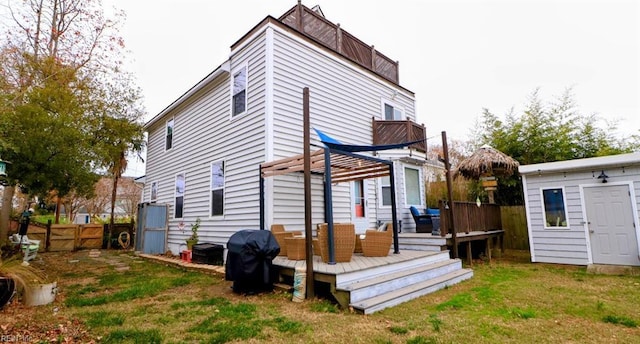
(296, 248)
(376, 242)
(344, 240)
(280, 234)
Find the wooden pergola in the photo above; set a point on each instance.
(336, 166)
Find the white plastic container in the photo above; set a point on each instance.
(41, 294)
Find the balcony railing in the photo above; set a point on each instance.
(391, 132)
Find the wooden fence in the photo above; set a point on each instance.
(514, 221)
(69, 237)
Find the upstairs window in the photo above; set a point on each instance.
(555, 209)
(239, 92)
(169, 137)
(217, 188)
(179, 196)
(391, 111)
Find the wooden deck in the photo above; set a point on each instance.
(429, 242)
(358, 262)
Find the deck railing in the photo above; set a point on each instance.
(390, 132)
(469, 217)
(316, 27)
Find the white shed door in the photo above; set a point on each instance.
(611, 225)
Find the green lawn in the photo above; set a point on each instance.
(507, 301)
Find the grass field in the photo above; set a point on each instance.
(507, 301)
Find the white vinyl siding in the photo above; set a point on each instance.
(208, 133)
(343, 97)
(558, 245)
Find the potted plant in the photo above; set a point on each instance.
(193, 239)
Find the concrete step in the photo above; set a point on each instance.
(410, 292)
(372, 287)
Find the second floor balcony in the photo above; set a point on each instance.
(391, 132)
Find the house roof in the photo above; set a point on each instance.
(580, 164)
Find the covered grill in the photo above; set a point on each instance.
(249, 261)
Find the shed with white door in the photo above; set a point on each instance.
(584, 211)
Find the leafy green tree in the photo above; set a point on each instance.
(546, 132)
(65, 103)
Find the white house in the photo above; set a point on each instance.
(584, 211)
(205, 148)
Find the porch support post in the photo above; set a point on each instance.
(307, 191)
(447, 167)
(328, 206)
(394, 214)
(261, 197)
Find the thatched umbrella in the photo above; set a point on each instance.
(485, 164)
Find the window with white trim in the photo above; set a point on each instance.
(412, 186)
(217, 188)
(385, 191)
(239, 92)
(392, 111)
(169, 135)
(154, 192)
(179, 196)
(555, 208)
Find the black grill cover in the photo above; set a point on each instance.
(249, 260)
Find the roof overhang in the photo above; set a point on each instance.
(221, 70)
(581, 164)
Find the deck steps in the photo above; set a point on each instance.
(421, 242)
(378, 285)
(410, 292)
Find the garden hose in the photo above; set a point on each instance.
(124, 243)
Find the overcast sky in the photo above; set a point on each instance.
(457, 56)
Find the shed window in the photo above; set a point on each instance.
(555, 210)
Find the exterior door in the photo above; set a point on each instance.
(611, 221)
(359, 210)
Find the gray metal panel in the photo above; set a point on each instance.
(156, 216)
(154, 241)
